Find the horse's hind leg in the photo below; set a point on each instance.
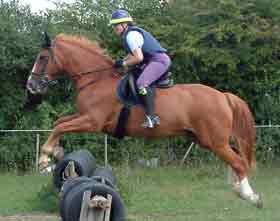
(239, 167)
(233, 180)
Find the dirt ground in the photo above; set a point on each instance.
(31, 217)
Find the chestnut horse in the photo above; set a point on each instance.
(220, 122)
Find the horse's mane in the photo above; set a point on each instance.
(84, 43)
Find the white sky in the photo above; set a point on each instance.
(37, 5)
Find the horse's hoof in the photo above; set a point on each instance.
(47, 169)
(256, 200)
(43, 162)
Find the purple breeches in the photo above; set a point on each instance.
(157, 66)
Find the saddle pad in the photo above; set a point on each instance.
(124, 93)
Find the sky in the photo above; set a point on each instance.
(37, 5)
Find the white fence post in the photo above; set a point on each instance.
(37, 151)
(106, 150)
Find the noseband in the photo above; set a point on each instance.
(43, 81)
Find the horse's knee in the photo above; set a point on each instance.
(46, 149)
(58, 129)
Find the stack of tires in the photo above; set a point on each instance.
(100, 181)
(84, 163)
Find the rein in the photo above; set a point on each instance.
(80, 74)
(47, 83)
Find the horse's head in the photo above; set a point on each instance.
(82, 60)
(45, 68)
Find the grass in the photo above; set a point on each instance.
(163, 194)
(200, 194)
(17, 193)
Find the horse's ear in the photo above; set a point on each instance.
(46, 40)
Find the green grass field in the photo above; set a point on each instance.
(178, 194)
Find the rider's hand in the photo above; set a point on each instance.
(119, 63)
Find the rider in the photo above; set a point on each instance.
(142, 48)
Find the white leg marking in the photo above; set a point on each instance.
(246, 189)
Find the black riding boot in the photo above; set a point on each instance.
(150, 118)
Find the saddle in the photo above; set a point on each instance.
(128, 96)
(127, 89)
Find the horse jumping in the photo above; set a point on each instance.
(220, 122)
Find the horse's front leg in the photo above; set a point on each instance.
(65, 118)
(48, 149)
(82, 123)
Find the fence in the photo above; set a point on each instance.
(38, 143)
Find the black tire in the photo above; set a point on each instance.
(100, 179)
(105, 173)
(70, 183)
(73, 207)
(84, 162)
(67, 187)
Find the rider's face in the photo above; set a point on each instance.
(119, 28)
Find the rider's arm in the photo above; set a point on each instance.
(135, 42)
(135, 58)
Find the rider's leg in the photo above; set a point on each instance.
(147, 99)
(157, 66)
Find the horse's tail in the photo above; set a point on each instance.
(243, 129)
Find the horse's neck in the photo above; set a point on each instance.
(85, 67)
(91, 77)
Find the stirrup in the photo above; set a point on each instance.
(156, 120)
(148, 123)
(151, 121)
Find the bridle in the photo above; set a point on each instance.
(43, 80)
